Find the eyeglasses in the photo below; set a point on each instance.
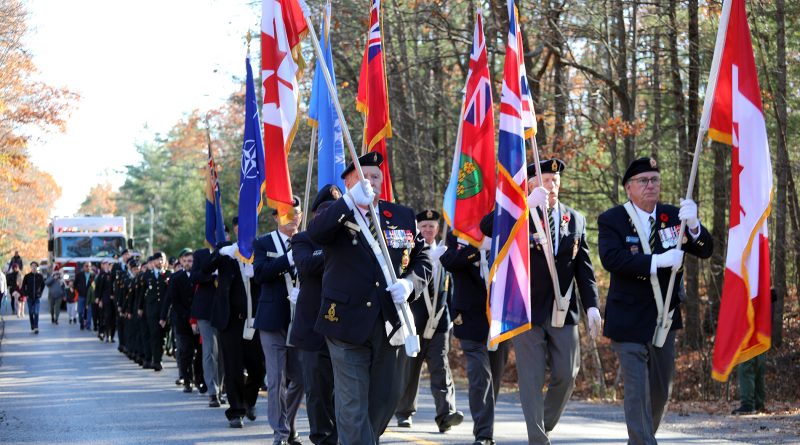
(645, 181)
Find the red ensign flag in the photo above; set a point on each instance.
(372, 99)
(737, 119)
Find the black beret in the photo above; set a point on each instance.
(173, 261)
(158, 255)
(428, 215)
(641, 165)
(295, 204)
(235, 221)
(328, 193)
(124, 251)
(133, 263)
(548, 166)
(371, 159)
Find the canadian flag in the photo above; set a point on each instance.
(737, 118)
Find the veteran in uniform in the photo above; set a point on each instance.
(546, 346)
(471, 327)
(274, 268)
(433, 326)
(638, 246)
(315, 359)
(155, 288)
(358, 316)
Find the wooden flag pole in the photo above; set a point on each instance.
(666, 321)
(309, 171)
(411, 339)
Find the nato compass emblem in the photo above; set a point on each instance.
(249, 166)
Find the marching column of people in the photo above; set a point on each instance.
(329, 329)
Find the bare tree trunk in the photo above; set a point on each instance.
(656, 144)
(561, 99)
(720, 232)
(622, 75)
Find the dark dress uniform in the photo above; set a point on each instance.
(176, 307)
(631, 313)
(356, 310)
(104, 291)
(228, 315)
(315, 359)
(471, 326)
(205, 285)
(154, 286)
(284, 376)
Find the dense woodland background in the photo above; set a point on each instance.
(612, 80)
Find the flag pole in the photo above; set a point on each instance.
(412, 340)
(308, 176)
(666, 321)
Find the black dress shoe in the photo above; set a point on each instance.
(179, 382)
(147, 365)
(236, 422)
(294, 439)
(213, 402)
(187, 388)
(451, 420)
(743, 410)
(251, 413)
(484, 442)
(223, 400)
(202, 388)
(404, 423)
(157, 367)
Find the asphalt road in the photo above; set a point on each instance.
(64, 386)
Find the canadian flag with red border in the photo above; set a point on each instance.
(737, 119)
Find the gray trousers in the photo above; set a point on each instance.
(55, 307)
(647, 373)
(434, 353)
(213, 368)
(537, 349)
(368, 380)
(320, 408)
(284, 384)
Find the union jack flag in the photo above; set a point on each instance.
(509, 293)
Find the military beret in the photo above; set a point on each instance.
(428, 215)
(124, 251)
(641, 165)
(371, 159)
(548, 166)
(133, 263)
(328, 193)
(159, 254)
(295, 204)
(235, 221)
(173, 261)
(185, 251)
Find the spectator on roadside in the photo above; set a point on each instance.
(32, 288)
(72, 300)
(56, 290)
(83, 284)
(14, 281)
(3, 291)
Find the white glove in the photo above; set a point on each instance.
(248, 270)
(437, 252)
(595, 321)
(486, 244)
(294, 294)
(362, 193)
(672, 258)
(538, 198)
(688, 212)
(229, 250)
(401, 290)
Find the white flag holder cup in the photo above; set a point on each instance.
(411, 339)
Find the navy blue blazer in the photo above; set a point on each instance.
(469, 298)
(631, 313)
(230, 299)
(274, 310)
(204, 283)
(572, 263)
(354, 292)
(310, 261)
(177, 302)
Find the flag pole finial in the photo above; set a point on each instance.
(248, 38)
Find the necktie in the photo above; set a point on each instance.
(652, 234)
(552, 223)
(288, 244)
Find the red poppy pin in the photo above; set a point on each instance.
(565, 218)
(663, 217)
(387, 213)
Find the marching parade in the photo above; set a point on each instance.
(329, 319)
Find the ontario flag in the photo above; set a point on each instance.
(509, 293)
(215, 225)
(283, 26)
(470, 192)
(737, 118)
(372, 99)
